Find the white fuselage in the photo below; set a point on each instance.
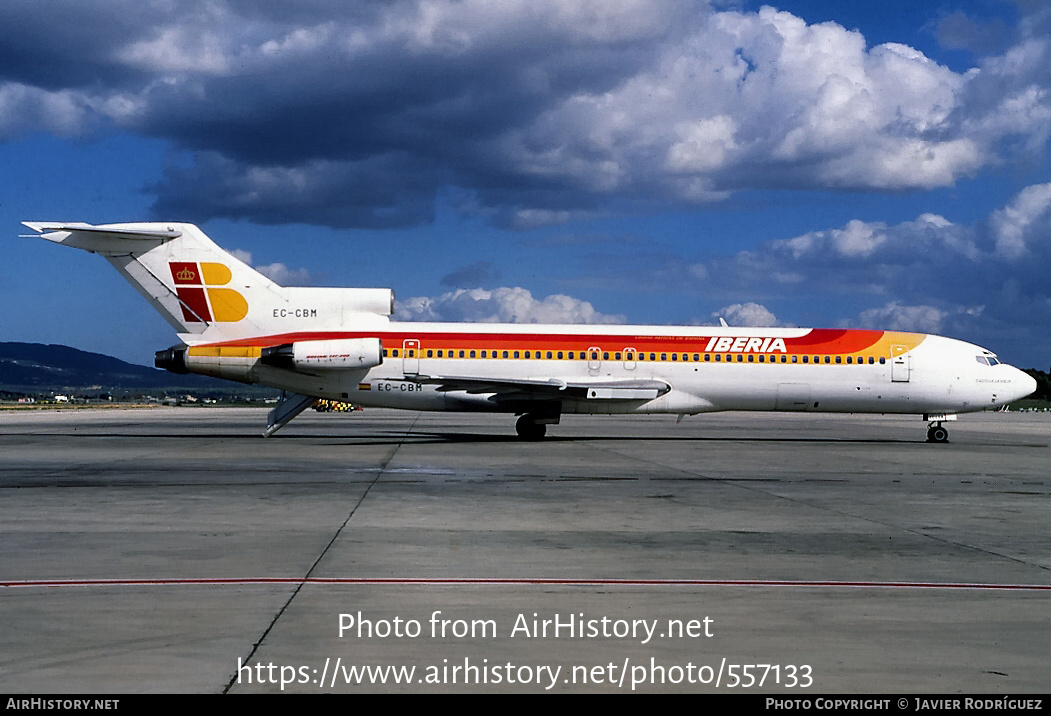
(757, 369)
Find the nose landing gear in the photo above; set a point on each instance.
(936, 433)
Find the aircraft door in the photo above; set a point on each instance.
(629, 358)
(594, 360)
(410, 362)
(900, 364)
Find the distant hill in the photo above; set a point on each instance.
(44, 367)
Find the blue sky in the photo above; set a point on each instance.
(879, 165)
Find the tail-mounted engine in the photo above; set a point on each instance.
(338, 354)
(172, 359)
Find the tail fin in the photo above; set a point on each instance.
(198, 287)
(206, 293)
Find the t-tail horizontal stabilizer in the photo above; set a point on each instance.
(290, 405)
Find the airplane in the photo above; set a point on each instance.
(341, 344)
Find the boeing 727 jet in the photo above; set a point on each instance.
(340, 344)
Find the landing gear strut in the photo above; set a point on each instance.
(936, 433)
(528, 428)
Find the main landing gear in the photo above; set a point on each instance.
(528, 428)
(533, 426)
(936, 433)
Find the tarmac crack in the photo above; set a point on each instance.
(310, 572)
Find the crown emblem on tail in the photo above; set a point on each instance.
(186, 275)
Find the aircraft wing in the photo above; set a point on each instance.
(549, 389)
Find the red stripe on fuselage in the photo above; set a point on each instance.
(828, 341)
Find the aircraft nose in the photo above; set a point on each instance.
(1023, 384)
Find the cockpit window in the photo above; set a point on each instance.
(987, 360)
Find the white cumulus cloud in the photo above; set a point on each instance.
(543, 111)
(897, 317)
(277, 272)
(750, 315)
(500, 305)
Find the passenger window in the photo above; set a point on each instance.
(795, 359)
(461, 354)
(412, 352)
(395, 352)
(740, 358)
(882, 360)
(675, 356)
(516, 354)
(605, 355)
(616, 356)
(505, 354)
(384, 352)
(839, 359)
(430, 353)
(806, 359)
(707, 357)
(472, 354)
(696, 357)
(718, 358)
(439, 354)
(751, 358)
(483, 354)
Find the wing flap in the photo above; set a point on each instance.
(551, 388)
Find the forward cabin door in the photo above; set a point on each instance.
(900, 364)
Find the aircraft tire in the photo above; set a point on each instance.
(528, 429)
(937, 434)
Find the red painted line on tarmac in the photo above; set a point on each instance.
(440, 581)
